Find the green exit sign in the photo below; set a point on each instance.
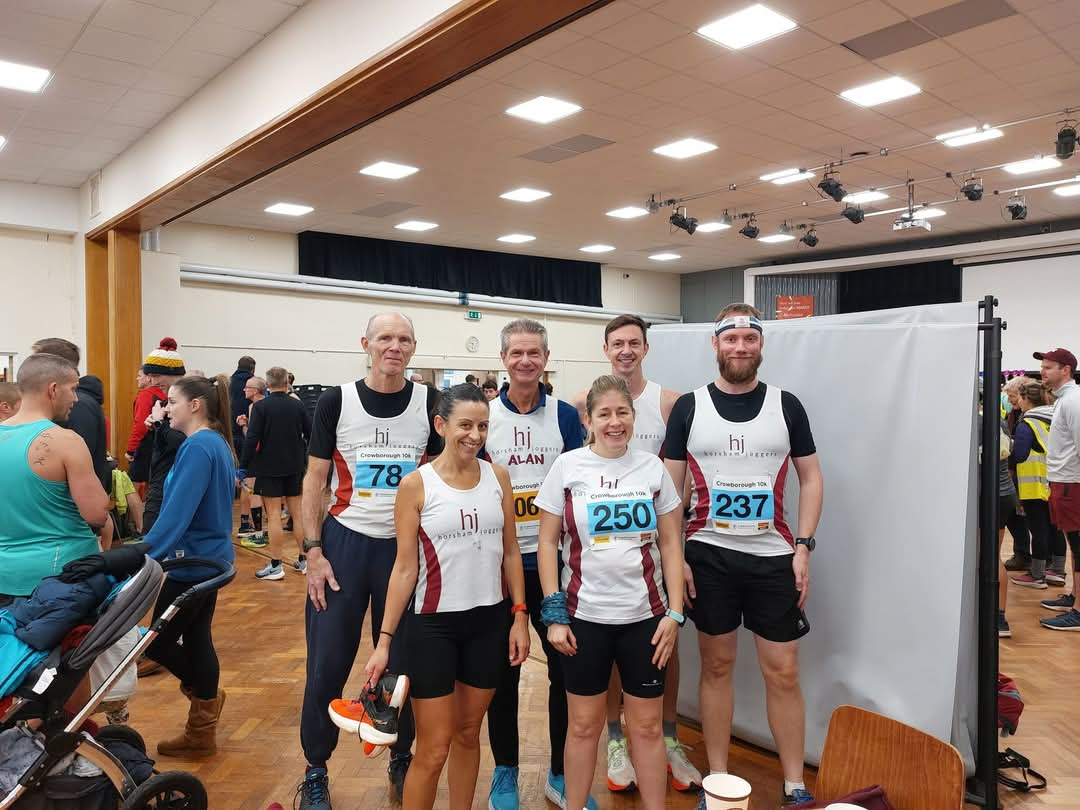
(472, 314)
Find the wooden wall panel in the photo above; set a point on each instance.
(125, 333)
(97, 312)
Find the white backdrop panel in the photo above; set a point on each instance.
(890, 399)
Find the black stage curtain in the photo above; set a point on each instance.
(482, 272)
(907, 285)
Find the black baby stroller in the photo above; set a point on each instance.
(51, 684)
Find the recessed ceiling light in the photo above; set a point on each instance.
(768, 178)
(868, 95)
(3, 141)
(597, 248)
(710, 227)
(1039, 164)
(1068, 191)
(289, 209)
(777, 237)
(929, 213)
(787, 176)
(516, 238)
(629, 212)
(860, 197)
(687, 147)
(665, 257)
(525, 195)
(750, 26)
(963, 137)
(23, 77)
(543, 109)
(416, 225)
(391, 171)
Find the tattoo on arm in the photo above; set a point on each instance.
(39, 450)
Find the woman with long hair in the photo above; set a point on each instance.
(195, 521)
(621, 518)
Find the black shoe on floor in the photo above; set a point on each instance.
(398, 767)
(1017, 563)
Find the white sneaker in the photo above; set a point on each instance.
(620, 771)
(271, 571)
(684, 776)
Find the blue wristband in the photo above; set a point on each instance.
(553, 609)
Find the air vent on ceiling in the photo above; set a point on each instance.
(384, 209)
(941, 23)
(889, 40)
(568, 148)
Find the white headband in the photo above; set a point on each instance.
(737, 322)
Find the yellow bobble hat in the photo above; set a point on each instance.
(165, 360)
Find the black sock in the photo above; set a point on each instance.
(275, 563)
(256, 517)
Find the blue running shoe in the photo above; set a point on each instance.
(1069, 620)
(314, 791)
(504, 789)
(555, 791)
(797, 796)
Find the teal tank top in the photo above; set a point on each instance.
(40, 526)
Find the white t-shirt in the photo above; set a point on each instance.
(612, 572)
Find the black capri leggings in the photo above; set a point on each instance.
(195, 664)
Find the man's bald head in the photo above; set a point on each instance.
(39, 371)
(382, 320)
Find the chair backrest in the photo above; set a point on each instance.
(917, 771)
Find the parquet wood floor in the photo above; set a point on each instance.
(260, 637)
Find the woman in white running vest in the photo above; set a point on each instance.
(456, 546)
(618, 515)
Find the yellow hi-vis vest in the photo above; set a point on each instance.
(1031, 474)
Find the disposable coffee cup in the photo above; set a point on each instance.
(725, 791)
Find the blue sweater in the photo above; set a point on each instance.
(196, 511)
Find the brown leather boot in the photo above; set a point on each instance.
(199, 738)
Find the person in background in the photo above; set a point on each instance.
(195, 521)
(1030, 440)
(1018, 523)
(471, 379)
(252, 532)
(53, 500)
(87, 418)
(491, 388)
(245, 370)
(162, 366)
(10, 400)
(416, 378)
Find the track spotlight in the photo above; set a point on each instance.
(680, 220)
(972, 189)
(750, 230)
(830, 185)
(810, 238)
(853, 215)
(1017, 207)
(1066, 140)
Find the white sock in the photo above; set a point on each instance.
(790, 787)
(718, 773)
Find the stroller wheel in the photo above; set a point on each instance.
(173, 790)
(123, 734)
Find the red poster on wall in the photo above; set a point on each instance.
(794, 306)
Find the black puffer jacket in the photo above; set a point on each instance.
(87, 418)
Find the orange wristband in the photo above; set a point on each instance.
(519, 608)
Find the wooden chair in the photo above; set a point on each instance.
(917, 771)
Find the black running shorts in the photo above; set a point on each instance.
(284, 486)
(736, 588)
(466, 646)
(600, 645)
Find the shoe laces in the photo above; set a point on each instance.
(314, 788)
(616, 754)
(677, 750)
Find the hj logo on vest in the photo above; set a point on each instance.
(737, 444)
(382, 436)
(523, 438)
(608, 483)
(470, 521)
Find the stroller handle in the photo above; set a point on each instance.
(226, 573)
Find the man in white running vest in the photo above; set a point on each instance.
(366, 436)
(744, 565)
(626, 344)
(527, 430)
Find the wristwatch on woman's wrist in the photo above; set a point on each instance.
(678, 618)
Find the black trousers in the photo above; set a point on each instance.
(1038, 522)
(503, 711)
(1020, 528)
(195, 663)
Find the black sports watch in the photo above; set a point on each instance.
(809, 542)
(310, 544)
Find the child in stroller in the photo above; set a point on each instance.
(39, 703)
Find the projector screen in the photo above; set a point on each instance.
(891, 400)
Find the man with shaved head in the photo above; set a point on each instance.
(53, 501)
(367, 435)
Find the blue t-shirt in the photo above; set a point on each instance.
(196, 510)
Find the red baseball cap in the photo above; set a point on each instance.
(1059, 355)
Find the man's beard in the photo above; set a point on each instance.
(738, 370)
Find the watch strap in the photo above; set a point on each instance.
(678, 618)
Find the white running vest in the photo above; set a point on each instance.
(649, 426)
(461, 544)
(371, 456)
(527, 444)
(738, 472)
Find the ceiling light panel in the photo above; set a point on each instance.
(964, 137)
(793, 178)
(26, 78)
(597, 248)
(543, 109)
(416, 225)
(777, 237)
(665, 257)
(289, 209)
(686, 148)
(389, 170)
(860, 197)
(929, 213)
(525, 194)
(1039, 164)
(881, 92)
(711, 227)
(750, 26)
(628, 212)
(516, 238)
(3, 141)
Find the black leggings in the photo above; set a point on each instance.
(195, 663)
(1038, 522)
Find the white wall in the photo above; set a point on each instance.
(1039, 299)
(236, 248)
(37, 289)
(38, 207)
(640, 290)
